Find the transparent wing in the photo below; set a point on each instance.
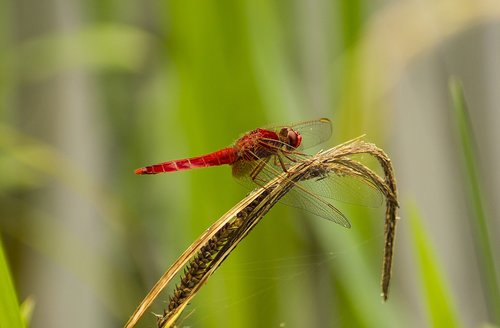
(309, 195)
(301, 198)
(313, 132)
(346, 189)
(349, 189)
(298, 196)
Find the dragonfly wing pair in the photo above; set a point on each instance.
(314, 195)
(309, 195)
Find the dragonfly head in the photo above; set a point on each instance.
(290, 137)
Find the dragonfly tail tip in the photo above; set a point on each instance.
(140, 171)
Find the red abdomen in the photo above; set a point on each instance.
(220, 157)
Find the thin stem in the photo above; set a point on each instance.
(479, 220)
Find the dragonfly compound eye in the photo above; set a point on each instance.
(294, 138)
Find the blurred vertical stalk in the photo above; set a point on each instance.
(437, 296)
(479, 218)
(61, 110)
(349, 114)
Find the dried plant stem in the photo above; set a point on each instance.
(189, 253)
(389, 188)
(201, 263)
(209, 251)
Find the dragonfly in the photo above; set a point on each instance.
(260, 155)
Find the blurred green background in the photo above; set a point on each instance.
(91, 90)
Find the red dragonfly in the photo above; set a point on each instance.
(261, 154)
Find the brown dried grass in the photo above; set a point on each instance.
(208, 252)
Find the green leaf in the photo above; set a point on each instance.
(100, 47)
(437, 296)
(478, 217)
(10, 315)
(26, 308)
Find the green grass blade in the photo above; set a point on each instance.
(437, 296)
(26, 309)
(10, 315)
(100, 46)
(479, 220)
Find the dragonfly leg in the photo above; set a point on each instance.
(289, 157)
(255, 172)
(281, 162)
(278, 159)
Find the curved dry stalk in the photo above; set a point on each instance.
(387, 187)
(207, 253)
